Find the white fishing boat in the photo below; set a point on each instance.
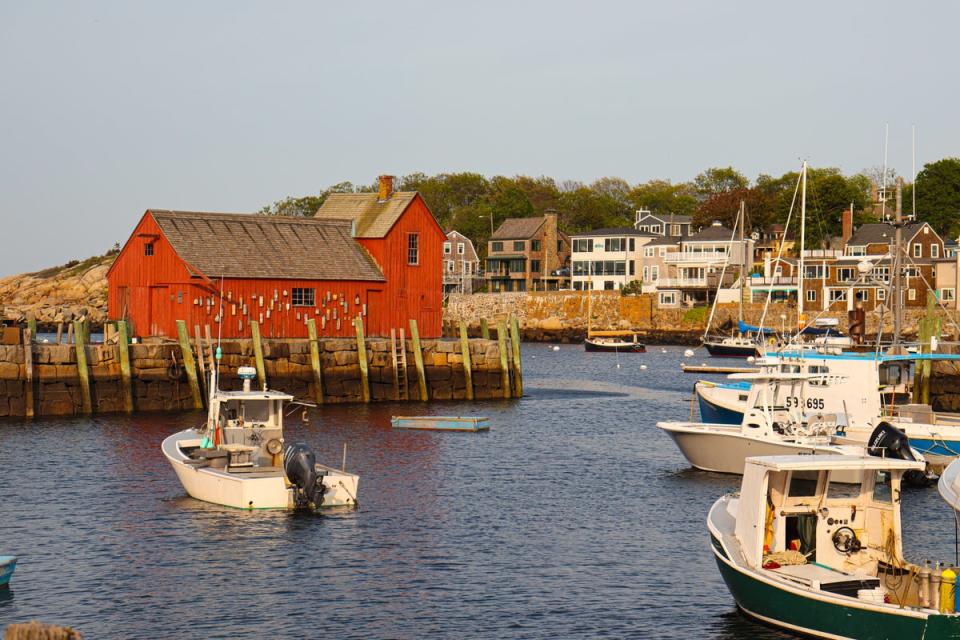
(860, 396)
(238, 458)
(767, 428)
(806, 551)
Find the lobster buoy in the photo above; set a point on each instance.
(688, 353)
(948, 582)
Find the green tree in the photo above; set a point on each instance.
(306, 206)
(663, 198)
(938, 195)
(717, 180)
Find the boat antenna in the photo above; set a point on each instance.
(216, 383)
(883, 177)
(913, 190)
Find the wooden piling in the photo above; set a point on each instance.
(69, 332)
(189, 365)
(28, 338)
(258, 353)
(123, 345)
(315, 359)
(484, 329)
(32, 325)
(362, 359)
(504, 364)
(395, 362)
(418, 360)
(198, 343)
(467, 366)
(517, 369)
(83, 371)
(210, 349)
(59, 333)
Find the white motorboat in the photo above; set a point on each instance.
(860, 395)
(768, 426)
(238, 458)
(804, 551)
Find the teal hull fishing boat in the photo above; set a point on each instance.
(824, 558)
(7, 565)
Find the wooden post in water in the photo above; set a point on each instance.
(484, 329)
(28, 338)
(198, 342)
(83, 372)
(467, 366)
(362, 359)
(186, 354)
(123, 345)
(395, 362)
(315, 359)
(210, 347)
(258, 353)
(418, 360)
(59, 333)
(32, 325)
(504, 364)
(69, 332)
(517, 369)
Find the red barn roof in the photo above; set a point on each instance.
(241, 245)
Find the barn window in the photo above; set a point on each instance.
(148, 249)
(304, 297)
(413, 248)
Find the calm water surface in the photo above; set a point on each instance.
(574, 517)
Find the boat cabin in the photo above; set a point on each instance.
(249, 425)
(832, 521)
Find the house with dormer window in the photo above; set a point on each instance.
(664, 225)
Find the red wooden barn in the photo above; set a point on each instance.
(278, 271)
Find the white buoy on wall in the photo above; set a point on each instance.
(688, 353)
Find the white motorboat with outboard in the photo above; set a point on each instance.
(238, 457)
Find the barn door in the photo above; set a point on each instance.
(376, 313)
(158, 310)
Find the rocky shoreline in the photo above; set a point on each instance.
(76, 290)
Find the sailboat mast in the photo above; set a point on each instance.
(897, 279)
(803, 234)
(743, 260)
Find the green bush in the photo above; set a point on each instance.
(696, 314)
(632, 288)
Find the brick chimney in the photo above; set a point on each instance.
(551, 260)
(899, 209)
(847, 225)
(386, 188)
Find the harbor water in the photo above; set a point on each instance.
(573, 517)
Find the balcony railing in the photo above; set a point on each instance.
(667, 283)
(776, 281)
(702, 257)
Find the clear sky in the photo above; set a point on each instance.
(110, 108)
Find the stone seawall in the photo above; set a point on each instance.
(562, 315)
(159, 382)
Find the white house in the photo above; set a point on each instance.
(607, 258)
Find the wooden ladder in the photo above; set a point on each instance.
(401, 385)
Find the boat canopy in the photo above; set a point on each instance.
(743, 327)
(833, 463)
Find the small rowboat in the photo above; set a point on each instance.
(441, 423)
(7, 565)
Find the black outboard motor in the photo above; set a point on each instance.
(887, 441)
(299, 464)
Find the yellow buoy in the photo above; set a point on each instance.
(948, 585)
